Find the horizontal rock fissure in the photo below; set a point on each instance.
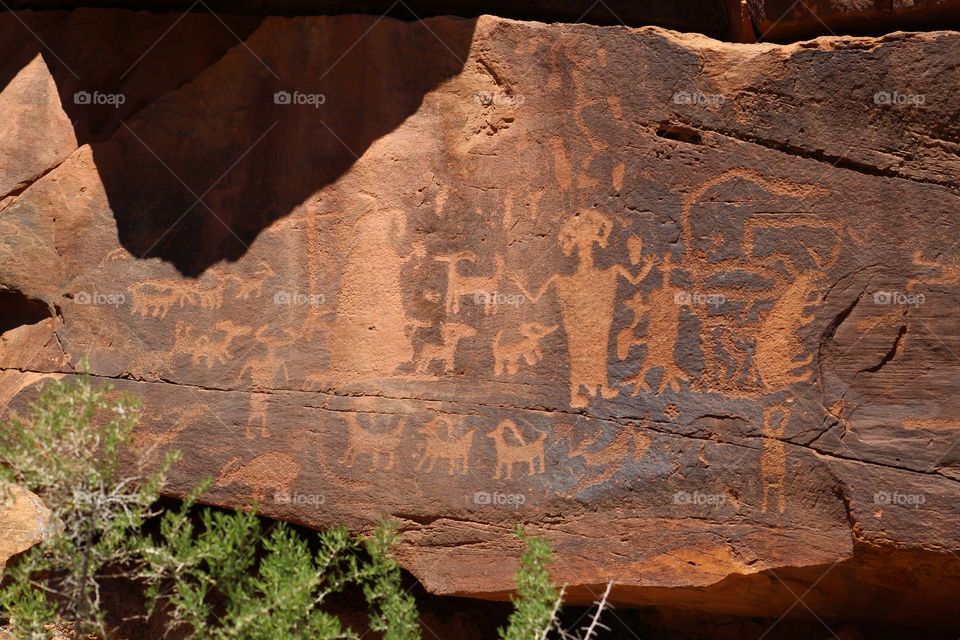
(652, 425)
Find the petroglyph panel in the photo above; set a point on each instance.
(596, 309)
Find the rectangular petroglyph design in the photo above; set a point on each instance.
(596, 298)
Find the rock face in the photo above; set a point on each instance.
(24, 522)
(687, 308)
(783, 20)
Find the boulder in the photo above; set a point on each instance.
(686, 308)
(24, 522)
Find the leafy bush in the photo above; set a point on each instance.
(278, 594)
(535, 603)
(55, 451)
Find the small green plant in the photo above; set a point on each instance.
(66, 449)
(535, 603)
(213, 580)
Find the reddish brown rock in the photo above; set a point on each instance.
(24, 522)
(687, 308)
(786, 20)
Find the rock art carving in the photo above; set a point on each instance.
(663, 327)
(528, 453)
(264, 369)
(507, 356)
(144, 442)
(155, 297)
(629, 443)
(587, 299)
(459, 285)
(378, 446)
(451, 333)
(370, 335)
(252, 286)
(773, 456)
(439, 445)
(949, 272)
(203, 348)
(274, 470)
(777, 344)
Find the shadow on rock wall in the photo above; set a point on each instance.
(206, 129)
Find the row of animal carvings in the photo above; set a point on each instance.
(516, 456)
(756, 351)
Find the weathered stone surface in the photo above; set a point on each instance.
(783, 20)
(24, 522)
(718, 359)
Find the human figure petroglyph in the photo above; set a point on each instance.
(662, 312)
(587, 298)
(773, 456)
(203, 348)
(155, 297)
(257, 416)
(371, 333)
(451, 333)
(459, 285)
(377, 445)
(274, 470)
(506, 357)
(439, 444)
(529, 453)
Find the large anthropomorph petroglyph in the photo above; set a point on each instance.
(587, 298)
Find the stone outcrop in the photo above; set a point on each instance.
(687, 308)
(24, 522)
(784, 20)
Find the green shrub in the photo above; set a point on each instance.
(66, 449)
(536, 601)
